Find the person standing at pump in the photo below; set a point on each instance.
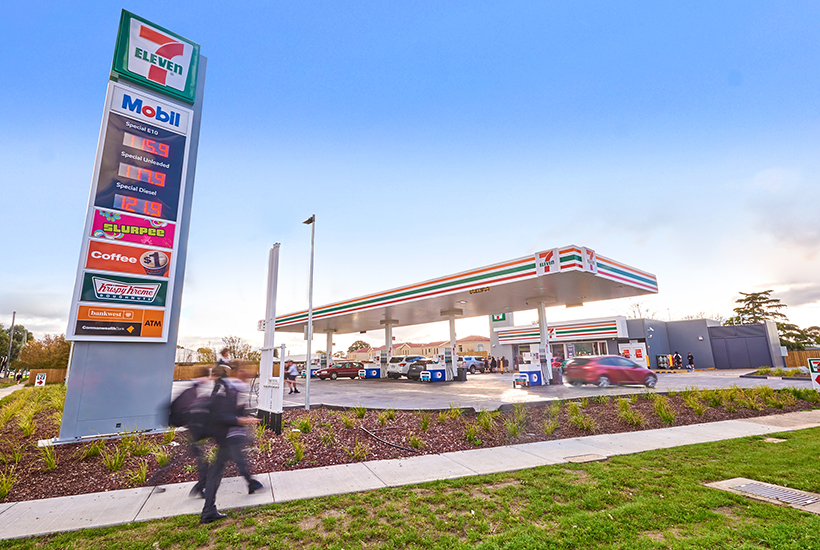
(677, 360)
(291, 373)
(691, 360)
(493, 364)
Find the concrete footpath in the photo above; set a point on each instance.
(39, 517)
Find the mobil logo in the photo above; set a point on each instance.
(137, 105)
(146, 109)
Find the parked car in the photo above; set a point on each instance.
(398, 365)
(473, 364)
(605, 370)
(414, 370)
(342, 368)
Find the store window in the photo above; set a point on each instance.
(558, 351)
(590, 348)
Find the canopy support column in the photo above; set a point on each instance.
(388, 343)
(330, 346)
(452, 368)
(544, 345)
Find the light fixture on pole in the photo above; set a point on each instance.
(311, 221)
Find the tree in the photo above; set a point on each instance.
(237, 346)
(256, 356)
(639, 310)
(20, 335)
(756, 307)
(205, 355)
(357, 345)
(51, 352)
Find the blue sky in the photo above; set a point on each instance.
(433, 137)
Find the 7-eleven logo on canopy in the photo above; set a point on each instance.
(156, 57)
(546, 262)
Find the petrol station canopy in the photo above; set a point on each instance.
(567, 276)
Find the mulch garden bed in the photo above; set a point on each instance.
(341, 437)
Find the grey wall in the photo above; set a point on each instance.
(683, 338)
(744, 347)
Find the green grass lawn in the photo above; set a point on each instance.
(649, 500)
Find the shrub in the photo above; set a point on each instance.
(141, 446)
(305, 423)
(415, 441)
(328, 439)
(602, 399)
(348, 421)
(162, 456)
(471, 432)
(486, 419)
(137, 476)
(663, 409)
(359, 452)
(171, 433)
(513, 427)
(691, 400)
(115, 458)
(555, 409)
(49, 457)
(7, 480)
(583, 421)
(550, 426)
(359, 411)
(424, 420)
(442, 417)
(454, 411)
(628, 415)
(520, 413)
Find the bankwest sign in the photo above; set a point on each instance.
(157, 58)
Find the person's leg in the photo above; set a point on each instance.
(236, 445)
(209, 511)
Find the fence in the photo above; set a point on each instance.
(189, 372)
(52, 375)
(800, 358)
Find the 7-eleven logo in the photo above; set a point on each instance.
(158, 57)
(545, 262)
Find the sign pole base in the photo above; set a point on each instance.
(271, 420)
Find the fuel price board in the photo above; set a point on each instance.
(136, 204)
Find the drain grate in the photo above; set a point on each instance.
(776, 493)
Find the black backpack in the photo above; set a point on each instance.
(179, 412)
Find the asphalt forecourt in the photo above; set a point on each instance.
(647, 500)
(489, 391)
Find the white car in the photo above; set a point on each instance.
(398, 365)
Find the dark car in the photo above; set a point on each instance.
(343, 368)
(606, 370)
(415, 368)
(398, 365)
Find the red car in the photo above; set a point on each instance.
(343, 368)
(606, 370)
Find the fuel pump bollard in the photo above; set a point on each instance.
(520, 380)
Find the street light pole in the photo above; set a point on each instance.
(11, 341)
(311, 221)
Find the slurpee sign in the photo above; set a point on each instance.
(156, 57)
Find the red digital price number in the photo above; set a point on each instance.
(145, 144)
(142, 174)
(137, 206)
